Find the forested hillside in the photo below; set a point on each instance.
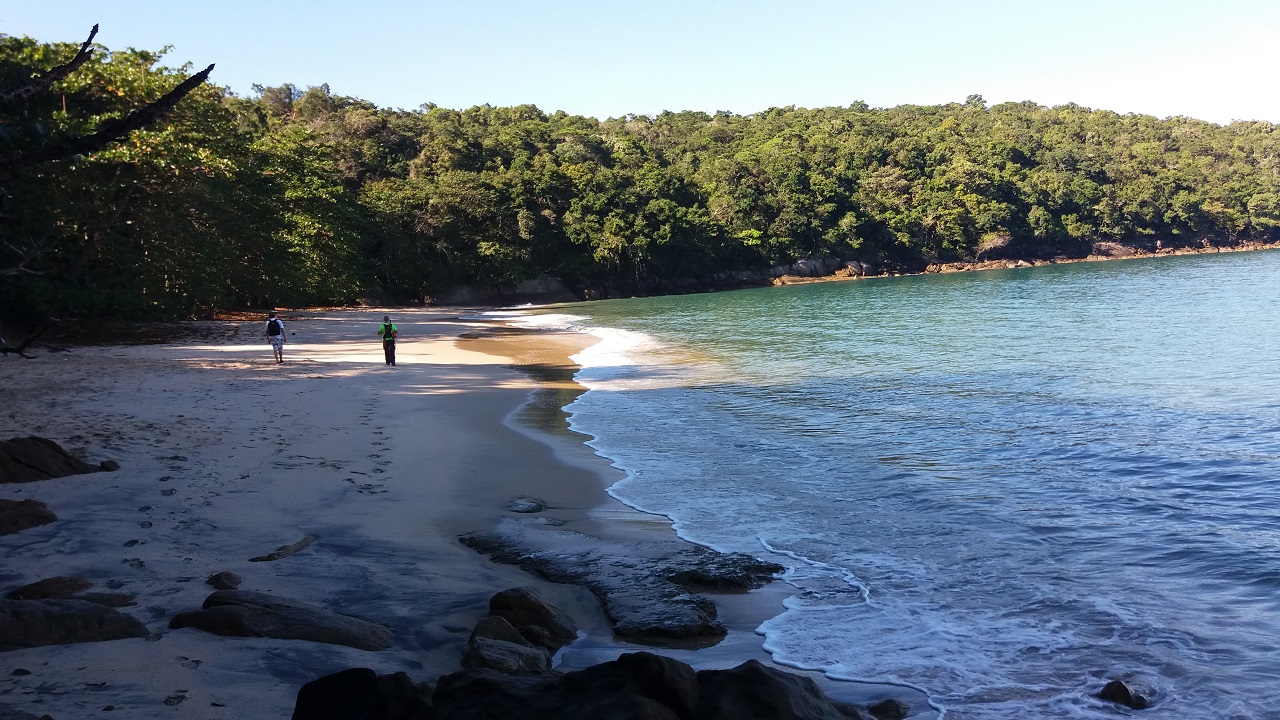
(300, 197)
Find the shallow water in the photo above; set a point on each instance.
(1002, 488)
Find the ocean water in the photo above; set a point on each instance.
(1001, 488)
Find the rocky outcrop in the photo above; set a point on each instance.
(35, 458)
(19, 515)
(242, 613)
(62, 621)
(638, 685)
(645, 589)
(521, 633)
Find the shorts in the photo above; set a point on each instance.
(277, 341)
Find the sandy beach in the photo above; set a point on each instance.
(226, 456)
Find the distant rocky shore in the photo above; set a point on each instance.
(547, 289)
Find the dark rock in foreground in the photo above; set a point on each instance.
(638, 686)
(36, 623)
(647, 589)
(241, 613)
(35, 458)
(503, 649)
(361, 693)
(19, 515)
(753, 690)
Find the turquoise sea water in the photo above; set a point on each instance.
(1003, 488)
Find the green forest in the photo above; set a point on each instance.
(298, 197)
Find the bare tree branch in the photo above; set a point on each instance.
(109, 132)
(24, 257)
(39, 83)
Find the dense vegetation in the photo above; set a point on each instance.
(296, 197)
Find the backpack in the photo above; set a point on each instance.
(273, 326)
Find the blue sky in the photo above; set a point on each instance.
(1216, 60)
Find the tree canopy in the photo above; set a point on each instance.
(300, 196)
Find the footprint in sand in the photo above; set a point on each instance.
(176, 699)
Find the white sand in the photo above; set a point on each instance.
(229, 456)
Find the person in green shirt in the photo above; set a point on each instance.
(388, 332)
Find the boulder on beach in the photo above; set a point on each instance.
(505, 656)
(62, 621)
(19, 515)
(242, 613)
(27, 459)
(537, 620)
(497, 645)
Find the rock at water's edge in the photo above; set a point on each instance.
(1117, 691)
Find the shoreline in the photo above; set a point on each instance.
(226, 456)
(535, 352)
